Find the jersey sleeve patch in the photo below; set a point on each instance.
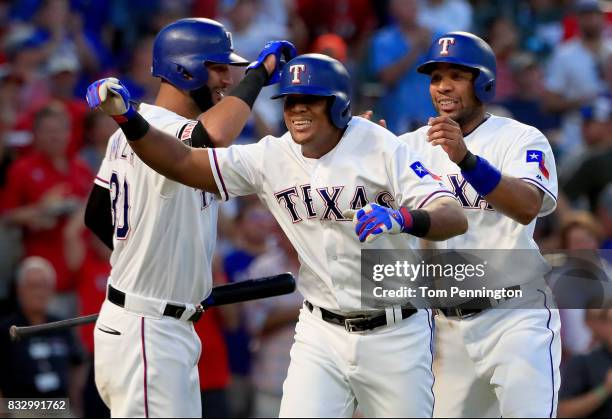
(419, 169)
(537, 156)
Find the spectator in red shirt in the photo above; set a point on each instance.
(88, 258)
(351, 19)
(63, 75)
(98, 128)
(44, 188)
(213, 366)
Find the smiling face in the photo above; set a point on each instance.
(452, 92)
(307, 119)
(219, 80)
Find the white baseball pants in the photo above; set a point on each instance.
(146, 366)
(386, 371)
(501, 362)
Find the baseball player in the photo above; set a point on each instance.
(490, 362)
(146, 349)
(312, 179)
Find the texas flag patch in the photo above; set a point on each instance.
(537, 156)
(420, 170)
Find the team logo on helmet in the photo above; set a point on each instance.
(296, 70)
(445, 42)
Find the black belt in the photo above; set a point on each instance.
(474, 306)
(172, 310)
(361, 322)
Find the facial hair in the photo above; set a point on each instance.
(202, 98)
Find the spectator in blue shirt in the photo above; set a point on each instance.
(396, 51)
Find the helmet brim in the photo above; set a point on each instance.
(230, 59)
(428, 66)
(306, 91)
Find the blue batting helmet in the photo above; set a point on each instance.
(467, 50)
(182, 48)
(319, 75)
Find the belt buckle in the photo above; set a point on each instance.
(350, 325)
(459, 313)
(199, 310)
(462, 316)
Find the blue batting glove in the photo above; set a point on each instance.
(283, 50)
(373, 220)
(112, 97)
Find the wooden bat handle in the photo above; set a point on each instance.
(251, 289)
(19, 332)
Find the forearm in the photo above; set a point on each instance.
(88, 59)
(74, 251)
(225, 120)
(174, 160)
(554, 102)
(512, 197)
(584, 405)
(391, 74)
(223, 123)
(516, 199)
(23, 216)
(447, 219)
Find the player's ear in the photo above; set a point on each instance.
(328, 106)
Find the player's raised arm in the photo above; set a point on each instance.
(159, 150)
(219, 125)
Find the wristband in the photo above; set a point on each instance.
(133, 125)
(416, 222)
(602, 393)
(249, 87)
(482, 176)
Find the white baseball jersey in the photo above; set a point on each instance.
(165, 232)
(308, 196)
(517, 150)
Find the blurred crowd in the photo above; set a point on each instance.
(554, 72)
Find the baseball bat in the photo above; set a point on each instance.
(251, 289)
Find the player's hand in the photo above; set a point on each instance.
(373, 220)
(446, 133)
(283, 51)
(109, 95)
(368, 115)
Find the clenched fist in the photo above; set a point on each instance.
(109, 95)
